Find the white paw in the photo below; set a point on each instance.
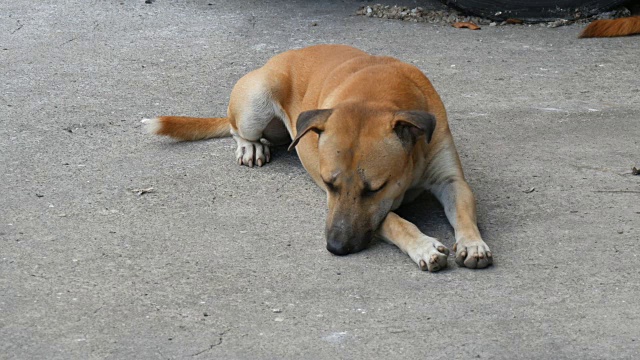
(473, 254)
(251, 153)
(429, 254)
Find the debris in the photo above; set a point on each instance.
(107, 212)
(39, 195)
(141, 192)
(529, 191)
(418, 14)
(336, 337)
(558, 23)
(277, 311)
(278, 319)
(635, 171)
(468, 25)
(450, 16)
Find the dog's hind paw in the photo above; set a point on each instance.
(252, 153)
(429, 254)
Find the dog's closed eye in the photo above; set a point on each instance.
(330, 186)
(368, 191)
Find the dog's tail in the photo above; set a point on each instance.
(610, 28)
(188, 128)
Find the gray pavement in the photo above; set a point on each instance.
(195, 269)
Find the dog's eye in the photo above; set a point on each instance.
(368, 191)
(329, 185)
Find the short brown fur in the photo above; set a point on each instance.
(190, 128)
(612, 28)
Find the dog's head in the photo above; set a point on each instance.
(365, 164)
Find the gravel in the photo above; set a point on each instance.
(450, 16)
(419, 14)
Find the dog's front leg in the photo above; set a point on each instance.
(460, 207)
(425, 251)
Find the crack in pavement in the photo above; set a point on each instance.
(220, 335)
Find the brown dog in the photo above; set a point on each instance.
(370, 130)
(616, 27)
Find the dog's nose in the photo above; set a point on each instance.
(337, 248)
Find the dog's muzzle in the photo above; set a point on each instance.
(339, 244)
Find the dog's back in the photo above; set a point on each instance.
(616, 27)
(612, 28)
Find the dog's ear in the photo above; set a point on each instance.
(411, 125)
(312, 120)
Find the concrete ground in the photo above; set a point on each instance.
(222, 261)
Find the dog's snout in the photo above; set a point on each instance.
(339, 236)
(337, 248)
(344, 245)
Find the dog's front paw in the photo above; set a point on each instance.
(473, 254)
(252, 153)
(429, 254)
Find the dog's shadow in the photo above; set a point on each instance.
(280, 155)
(428, 215)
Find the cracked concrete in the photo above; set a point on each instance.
(212, 345)
(89, 269)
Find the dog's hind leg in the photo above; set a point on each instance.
(446, 181)
(255, 114)
(425, 251)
